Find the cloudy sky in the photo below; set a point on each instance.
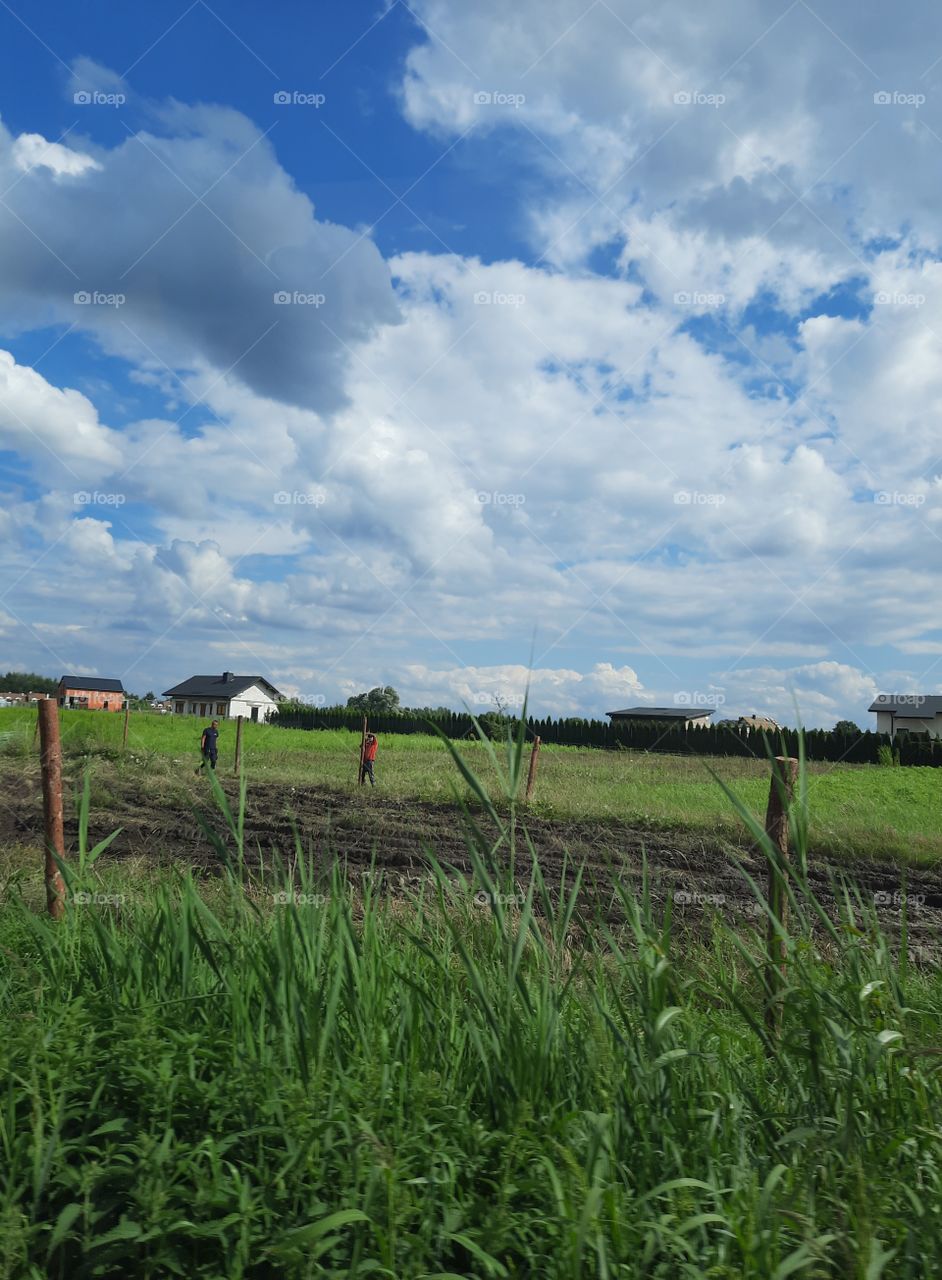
(434, 343)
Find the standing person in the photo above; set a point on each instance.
(208, 748)
(369, 755)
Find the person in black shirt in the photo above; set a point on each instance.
(208, 747)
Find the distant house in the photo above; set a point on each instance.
(765, 723)
(908, 713)
(658, 715)
(224, 697)
(23, 699)
(90, 693)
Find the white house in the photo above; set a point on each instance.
(908, 713)
(224, 697)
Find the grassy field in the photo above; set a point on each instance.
(259, 1079)
(855, 810)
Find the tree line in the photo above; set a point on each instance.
(27, 682)
(845, 743)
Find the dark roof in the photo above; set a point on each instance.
(97, 683)
(660, 713)
(217, 687)
(920, 706)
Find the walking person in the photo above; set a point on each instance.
(369, 755)
(208, 748)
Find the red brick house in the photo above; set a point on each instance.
(91, 693)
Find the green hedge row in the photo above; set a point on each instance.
(706, 740)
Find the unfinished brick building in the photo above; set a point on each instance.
(91, 693)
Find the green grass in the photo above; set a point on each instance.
(278, 1077)
(855, 810)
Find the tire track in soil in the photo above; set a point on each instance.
(392, 836)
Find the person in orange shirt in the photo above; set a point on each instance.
(369, 755)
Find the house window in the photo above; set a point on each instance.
(105, 707)
(178, 708)
(220, 708)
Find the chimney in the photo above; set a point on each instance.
(226, 677)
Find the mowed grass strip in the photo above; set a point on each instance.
(855, 810)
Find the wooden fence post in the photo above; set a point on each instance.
(531, 776)
(781, 794)
(238, 749)
(362, 753)
(127, 717)
(51, 761)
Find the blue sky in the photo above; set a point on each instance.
(450, 346)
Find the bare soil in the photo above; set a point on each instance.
(368, 833)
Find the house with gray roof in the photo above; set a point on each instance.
(899, 713)
(91, 693)
(224, 697)
(684, 715)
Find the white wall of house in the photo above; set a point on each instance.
(255, 698)
(888, 723)
(208, 708)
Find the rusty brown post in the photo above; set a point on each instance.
(51, 761)
(362, 752)
(781, 794)
(127, 717)
(238, 750)
(531, 776)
